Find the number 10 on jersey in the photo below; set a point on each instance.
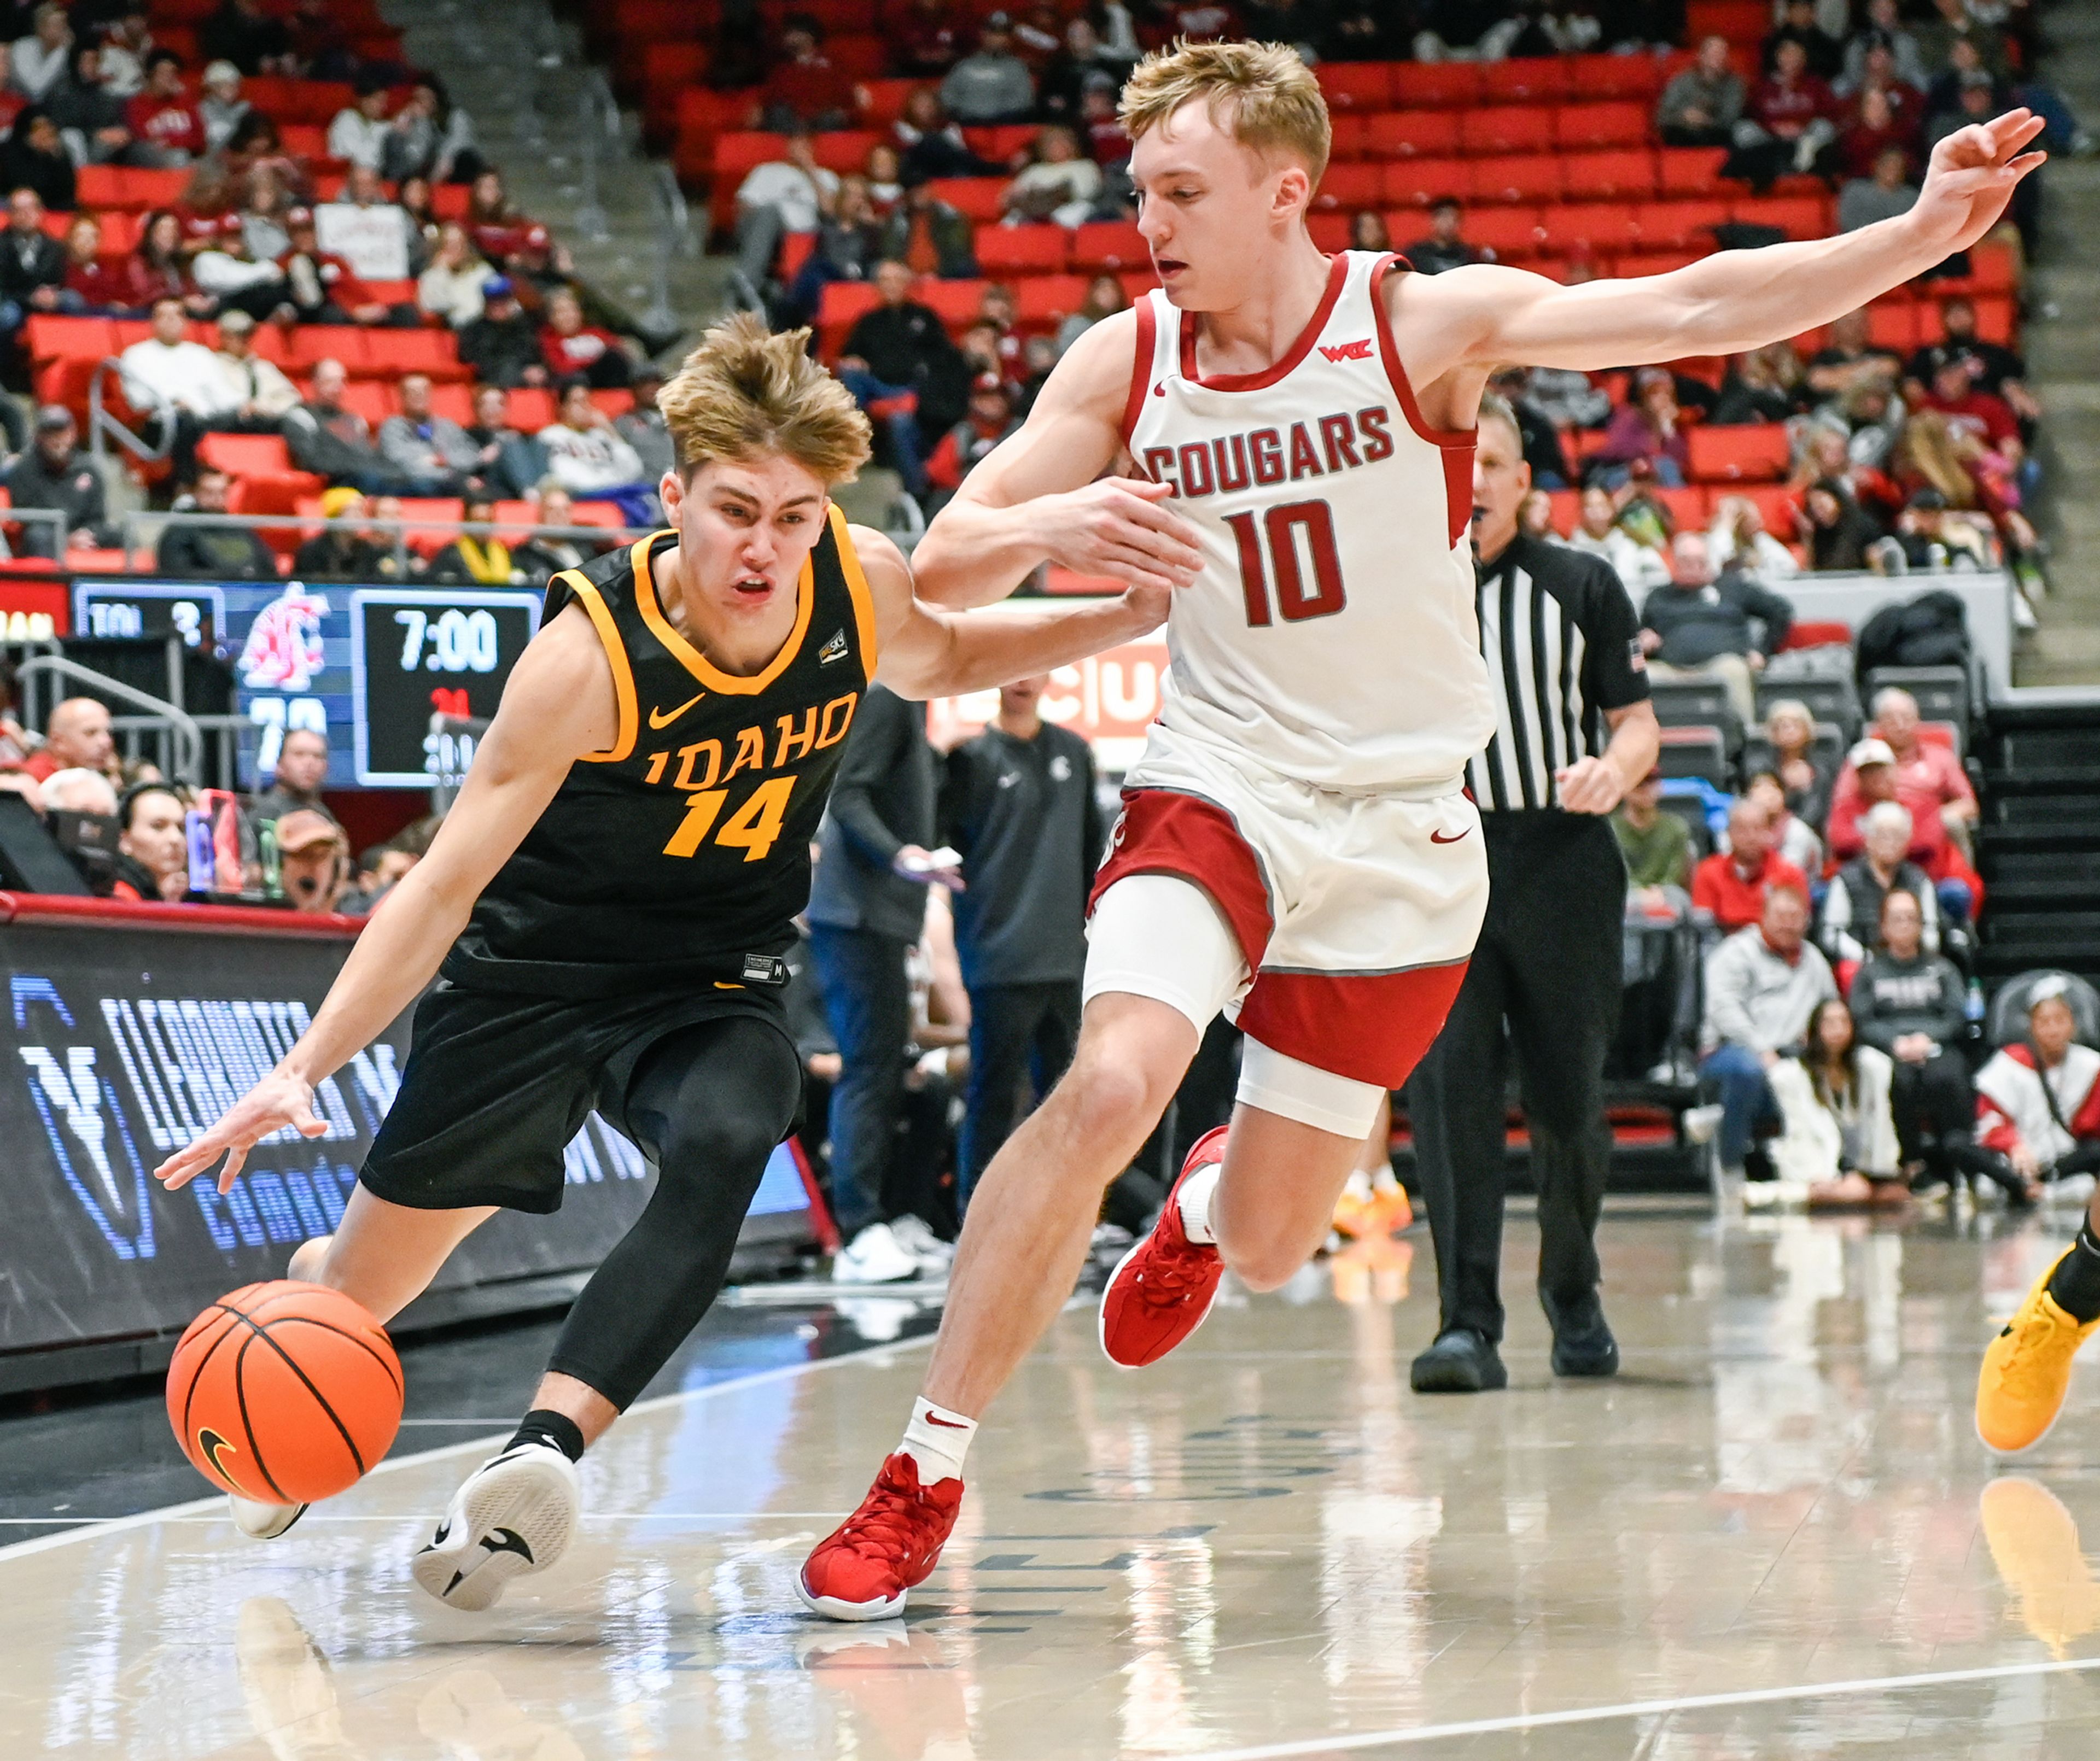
(1269, 549)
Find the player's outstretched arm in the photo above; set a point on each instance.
(1723, 304)
(927, 652)
(1039, 495)
(558, 705)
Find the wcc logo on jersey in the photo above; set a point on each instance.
(1358, 350)
(90, 1138)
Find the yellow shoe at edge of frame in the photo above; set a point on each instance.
(2027, 1372)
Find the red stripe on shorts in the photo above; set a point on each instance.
(1163, 832)
(1371, 1027)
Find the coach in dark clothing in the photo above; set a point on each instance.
(867, 906)
(1018, 802)
(1557, 631)
(904, 343)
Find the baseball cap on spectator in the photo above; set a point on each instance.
(496, 288)
(334, 501)
(1931, 500)
(999, 21)
(52, 417)
(298, 219)
(221, 73)
(536, 238)
(1870, 752)
(235, 322)
(303, 829)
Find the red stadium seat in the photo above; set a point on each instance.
(454, 402)
(1417, 183)
(844, 150)
(1690, 171)
(1509, 232)
(975, 199)
(1436, 85)
(1000, 143)
(1042, 303)
(1624, 174)
(1566, 506)
(1526, 80)
(1349, 187)
(1893, 325)
(1410, 133)
(1350, 136)
(530, 409)
(1759, 453)
(312, 344)
(1364, 85)
(1740, 21)
(1108, 245)
(955, 303)
(1577, 126)
(882, 101)
(433, 353)
(247, 455)
(1509, 129)
(50, 337)
(1329, 232)
(1631, 266)
(1689, 507)
(1603, 78)
(1676, 226)
(841, 303)
(1028, 250)
(1588, 228)
(1994, 321)
(1799, 217)
(1520, 177)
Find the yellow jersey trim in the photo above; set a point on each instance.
(863, 601)
(615, 653)
(696, 663)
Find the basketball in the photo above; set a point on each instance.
(285, 1393)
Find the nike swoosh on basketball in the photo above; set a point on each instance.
(1437, 837)
(658, 719)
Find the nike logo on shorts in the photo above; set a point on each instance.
(659, 719)
(1437, 837)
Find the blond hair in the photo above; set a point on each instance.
(1262, 94)
(745, 392)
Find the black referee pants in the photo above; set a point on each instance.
(1549, 964)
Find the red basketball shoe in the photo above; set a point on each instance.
(1160, 1293)
(863, 1568)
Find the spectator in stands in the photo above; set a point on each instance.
(587, 457)
(849, 243)
(1825, 53)
(1793, 839)
(1848, 359)
(247, 33)
(1888, 193)
(159, 269)
(327, 437)
(806, 86)
(1057, 185)
(780, 196)
(374, 239)
(643, 428)
(1957, 22)
(264, 215)
(1698, 624)
(1839, 534)
(990, 421)
(431, 137)
(1444, 249)
(1929, 779)
(40, 58)
(1928, 535)
(266, 396)
(1837, 1136)
(1883, 28)
(502, 345)
(510, 462)
(55, 472)
(925, 38)
(313, 854)
(432, 455)
(1789, 125)
(1733, 883)
(1872, 128)
(224, 270)
(182, 384)
(1737, 540)
(77, 736)
(1974, 413)
(221, 106)
(1062, 83)
(1647, 431)
(547, 552)
(1702, 105)
(1852, 903)
(1907, 1001)
(930, 235)
(1993, 368)
(166, 126)
(94, 287)
(903, 343)
(414, 197)
(476, 559)
(574, 350)
(341, 553)
(1104, 298)
(931, 143)
(452, 289)
(152, 847)
(35, 158)
(380, 870)
(2038, 1100)
(1804, 774)
(226, 550)
(1658, 846)
(321, 48)
(1765, 385)
(90, 117)
(992, 84)
(1762, 986)
(1598, 533)
(359, 130)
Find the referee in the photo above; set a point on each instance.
(1562, 642)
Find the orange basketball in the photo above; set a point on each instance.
(285, 1393)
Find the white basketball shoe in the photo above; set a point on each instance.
(514, 1516)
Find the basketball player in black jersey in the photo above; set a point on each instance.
(606, 908)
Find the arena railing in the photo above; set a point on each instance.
(184, 737)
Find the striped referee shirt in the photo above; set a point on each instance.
(1562, 641)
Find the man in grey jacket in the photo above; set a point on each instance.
(1701, 106)
(1763, 984)
(436, 455)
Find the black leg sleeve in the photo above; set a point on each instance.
(1454, 1106)
(706, 1105)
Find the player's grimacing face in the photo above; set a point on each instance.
(745, 528)
(1206, 204)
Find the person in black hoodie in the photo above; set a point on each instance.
(502, 345)
(35, 158)
(1908, 1004)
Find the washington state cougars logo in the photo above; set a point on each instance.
(1358, 350)
(284, 652)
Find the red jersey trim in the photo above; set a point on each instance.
(1338, 274)
(1141, 368)
(1368, 1026)
(1165, 832)
(1389, 353)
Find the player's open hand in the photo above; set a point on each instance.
(1971, 177)
(279, 1099)
(1118, 526)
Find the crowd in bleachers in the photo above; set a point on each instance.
(311, 278)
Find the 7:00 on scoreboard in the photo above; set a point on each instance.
(416, 652)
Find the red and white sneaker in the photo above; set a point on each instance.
(1162, 1290)
(864, 1568)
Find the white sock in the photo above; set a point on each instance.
(937, 1440)
(1194, 1198)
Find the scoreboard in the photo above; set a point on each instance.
(367, 666)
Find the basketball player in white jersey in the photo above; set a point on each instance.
(1295, 432)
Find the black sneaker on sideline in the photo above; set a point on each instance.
(1582, 1342)
(1461, 1362)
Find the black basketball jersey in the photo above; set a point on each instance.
(681, 856)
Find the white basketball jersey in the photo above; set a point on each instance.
(1332, 633)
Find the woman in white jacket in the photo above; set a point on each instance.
(1840, 1137)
